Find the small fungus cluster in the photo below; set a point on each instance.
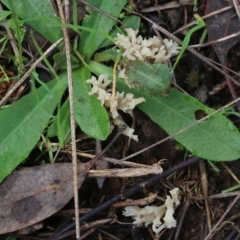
(151, 50)
(160, 217)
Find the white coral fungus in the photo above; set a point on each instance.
(152, 49)
(160, 217)
(125, 103)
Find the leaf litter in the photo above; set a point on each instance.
(33, 194)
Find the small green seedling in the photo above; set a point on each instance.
(200, 24)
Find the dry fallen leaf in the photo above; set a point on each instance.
(220, 26)
(33, 194)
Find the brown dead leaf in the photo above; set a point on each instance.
(222, 25)
(33, 194)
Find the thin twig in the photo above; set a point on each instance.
(72, 120)
(23, 78)
(161, 7)
(211, 14)
(216, 41)
(237, 7)
(111, 160)
(231, 173)
(223, 195)
(204, 183)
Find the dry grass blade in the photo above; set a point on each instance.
(112, 160)
(204, 183)
(237, 7)
(72, 119)
(231, 173)
(125, 172)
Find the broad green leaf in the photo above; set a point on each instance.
(23, 122)
(105, 56)
(60, 58)
(61, 125)
(89, 114)
(91, 41)
(30, 9)
(215, 139)
(154, 79)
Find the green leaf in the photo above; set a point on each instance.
(4, 14)
(61, 59)
(154, 79)
(61, 125)
(40, 11)
(215, 139)
(105, 56)
(91, 41)
(23, 122)
(89, 114)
